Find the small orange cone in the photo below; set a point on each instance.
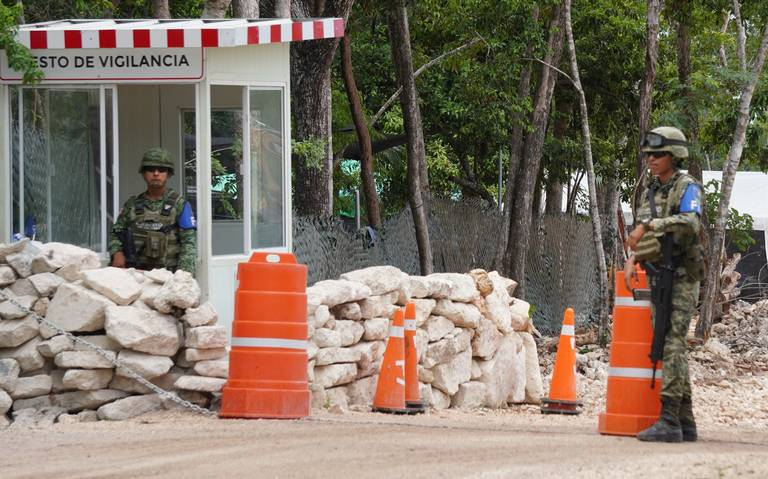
(562, 390)
(390, 390)
(412, 401)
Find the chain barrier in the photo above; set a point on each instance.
(111, 357)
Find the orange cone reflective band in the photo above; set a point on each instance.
(562, 390)
(631, 405)
(390, 390)
(412, 400)
(268, 360)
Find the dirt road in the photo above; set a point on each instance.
(487, 444)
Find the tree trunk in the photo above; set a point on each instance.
(682, 12)
(160, 9)
(215, 8)
(729, 174)
(283, 9)
(528, 171)
(245, 8)
(363, 137)
(400, 43)
(651, 62)
(554, 203)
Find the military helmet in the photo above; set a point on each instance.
(157, 157)
(666, 138)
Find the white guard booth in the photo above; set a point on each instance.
(215, 93)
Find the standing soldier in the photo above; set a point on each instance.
(667, 244)
(155, 229)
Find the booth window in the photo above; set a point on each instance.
(60, 182)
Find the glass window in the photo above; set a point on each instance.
(266, 152)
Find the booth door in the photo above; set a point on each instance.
(248, 183)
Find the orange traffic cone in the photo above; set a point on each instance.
(390, 390)
(412, 401)
(562, 390)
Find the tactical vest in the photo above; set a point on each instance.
(688, 249)
(155, 232)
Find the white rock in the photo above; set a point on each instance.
(498, 374)
(376, 328)
(116, 284)
(84, 359)
(181, 291)
(375, 306)
(361, 392)
(328, 356)
(75, 308)
(27, 355)
(462, 314)
(350, 332)
(404, 290)
(335, 374)
(437, 327)
(321, 315)
(200, 383)
(534, 389)
(51, 347)
(370, 357)
(332, 292)
(421, 340)
(204, 315)
(101, 340)
(336, 399)
(146, 365)
(424, 308)
(46, 284)
(206, 337)
(9, 372)
(486, 340)
(429, 287)
(462, 286)
(32, 386)
(10, 248)
(471, 395)
(130, 407)
(41, 307)
(5, 405)
(380, 279)
(477, 373)
(213, 369)
(519, 310)
(327, 338)
(14, 332)
(148, 294)
(68, 259)
(347, 311)
(7, 275)
(439, 399)
(445, 349)
(449, 375)
(9, 310)
(145, 331)
(86, 379)
(425, 375)
(159, 275)
(517, 395)
(318, 397)
(22, 287)
(194, 354)
(79, 400)
(21, 262)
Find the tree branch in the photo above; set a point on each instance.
(741, 42)
(475, 188)
(723, 30)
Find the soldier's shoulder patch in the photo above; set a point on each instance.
(691, 201)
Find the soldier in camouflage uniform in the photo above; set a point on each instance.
(678, 202)
(160, 222)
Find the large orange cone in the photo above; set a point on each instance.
(412, 401)
(562, 390)
(390, 390)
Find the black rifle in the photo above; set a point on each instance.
(661, 293)
(129, 248)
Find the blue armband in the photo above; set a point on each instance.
(691, 202)
(187, 218)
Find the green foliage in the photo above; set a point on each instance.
(311, 151)
(19, 57)
(738, 226)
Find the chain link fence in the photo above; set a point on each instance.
(561, 268)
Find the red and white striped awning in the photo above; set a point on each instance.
(175, 33)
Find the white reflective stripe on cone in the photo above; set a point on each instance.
(410, 325)
(396, 331)
(642, 373)
(568, 330)
(270, 343)
(631, 302)
(400, 381)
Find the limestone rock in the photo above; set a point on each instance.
(327, 338)
(376, 328)
(332, 292)
(38, 402)
(79, 400)
(328, 356)
(471, 395)
(347, 311)
(424, 308)
(9, 372)
(462, 286)
(51, 347)
(321, 315)
(11, 248)
(462, 314)
(9, 310)
(194, 354)
(336, 400)
(116, 284)
(27, 355)
(520, 319)
(498, 373)
(146, 365)
(21, 262)
(449, 375)
(101, 340)
(335, 374)
(40, 307)
(370, 357)
(421, 340)
(482, 282)
(84, 359)
(517, 395)
(204, 315)
(145, 331)
(181, 291)
(66, 259)
(5, 403)
(439, 399)
(37, 418)
(75, 308)
(445, 349)
(380, 279)
(361, 392)
(486, 340)
(375, 306)
(159, 275)
(430, 287)
(350, 332)
(148, 294)
(22, 287)
(200, 383)
(437, 327)
(206, 337)
(14, 332)
(130, 407)
(213, 369)
(46, 284)
(32, 386)
(534, 389)
(86, 379)
(7, 275)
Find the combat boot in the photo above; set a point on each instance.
(667, 428)
(687, 422)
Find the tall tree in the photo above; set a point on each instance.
(245, 8)
(400, 42)
(160, 9)
(283, 8)
(215, 8)
(651, 64)
(731, 166)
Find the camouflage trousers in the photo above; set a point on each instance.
(676, 381)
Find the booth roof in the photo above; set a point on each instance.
(175, 33)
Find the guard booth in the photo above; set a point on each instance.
(215, 93)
